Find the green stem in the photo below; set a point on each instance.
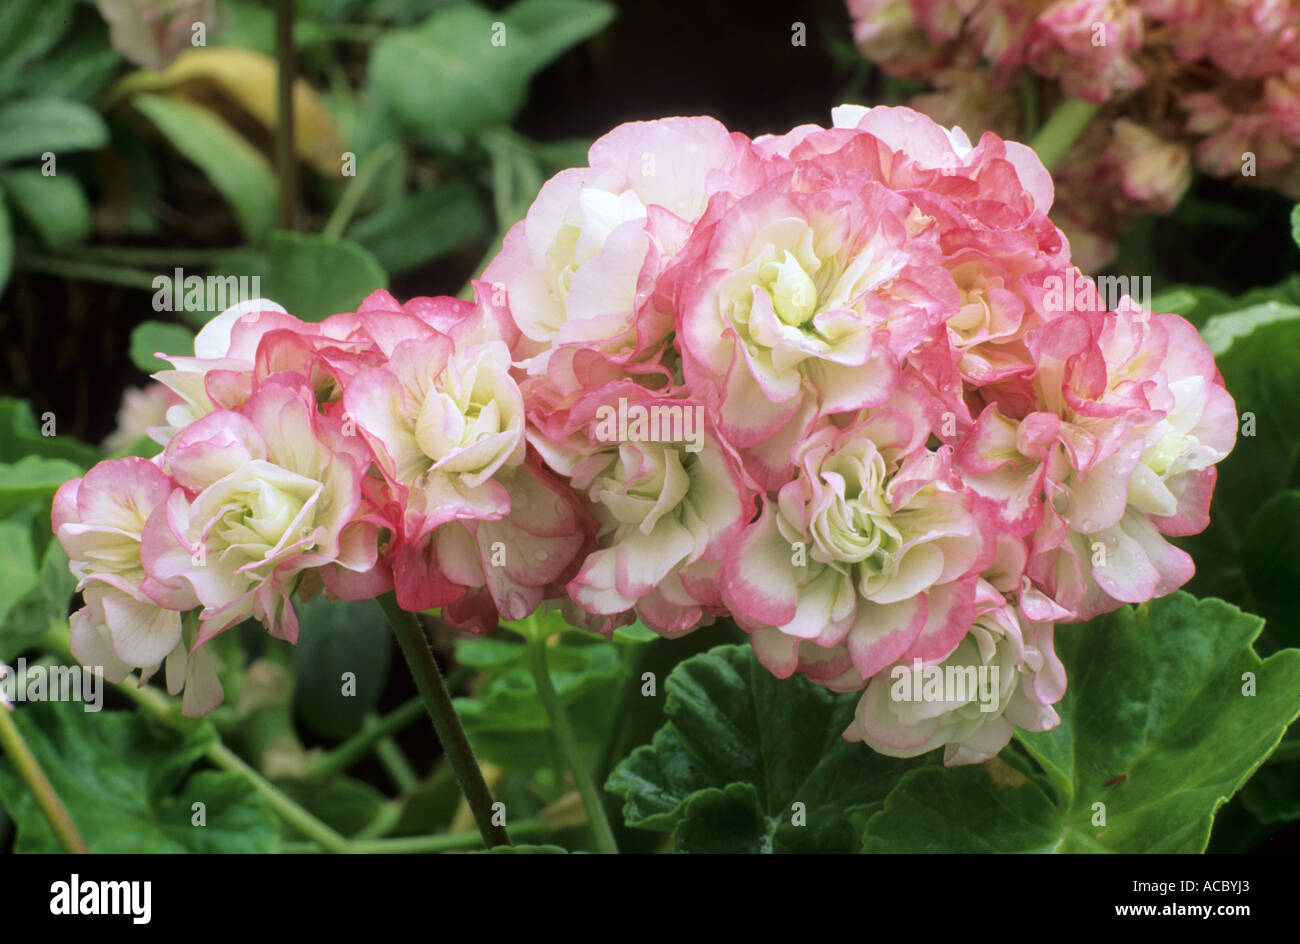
(354, 748)
(164, 258)
(286, 71)
(356, 191)
(1062, 129)
(86, 271)
(443, 842)
(289, 811)
(396, 764)
(384, 822)
(455, 744)
(29, 769)
(568, 743)
(1029, 104)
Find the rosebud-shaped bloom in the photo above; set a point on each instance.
(667, 494)
(1134, 418)
(788, 312)
(266, 494)
(580, 270)
(1004, 674)
(873, 550)
(446, 427)
(131, 619)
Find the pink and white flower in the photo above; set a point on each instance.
(131, 618)
(265, 494)
(1003, 675)
(872, 553)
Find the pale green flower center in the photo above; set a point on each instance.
(644, 483)
(792, 290)
(857, 523)
(1169, 447)
(263, 514)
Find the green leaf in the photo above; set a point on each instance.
(552, 26)
(124, 781)
(1155, 725)
(28, 29)
(45, 601)
(159, 337)
(1261, 370)
(1295, 224)
(236, 168)
(344, 804)
(1270, 558)
(1221, 330)
(31, 126)
(448, 75)
(445, 75)
(405, 235)
(80, 68)
(314, 277)
(516, 177)
(430, 807)
(18, 575)
(637, 632)
(55, 206)
(1273, 794)
(32, 478)
(20, 437)
(545, 623)
(740, 749)
(334, 639)
(722, 821)
(505, 719)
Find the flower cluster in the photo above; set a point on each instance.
(843, 386)
(1210, 83)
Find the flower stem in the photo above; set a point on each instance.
(286, 73)
(29, 769)
(354, 748)
(441, 842)
(108, 273)
(288, 810)
(356, 190)
(1062, 129)
(568, 743)
(428, 679)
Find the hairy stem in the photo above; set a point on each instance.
(437, 700)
